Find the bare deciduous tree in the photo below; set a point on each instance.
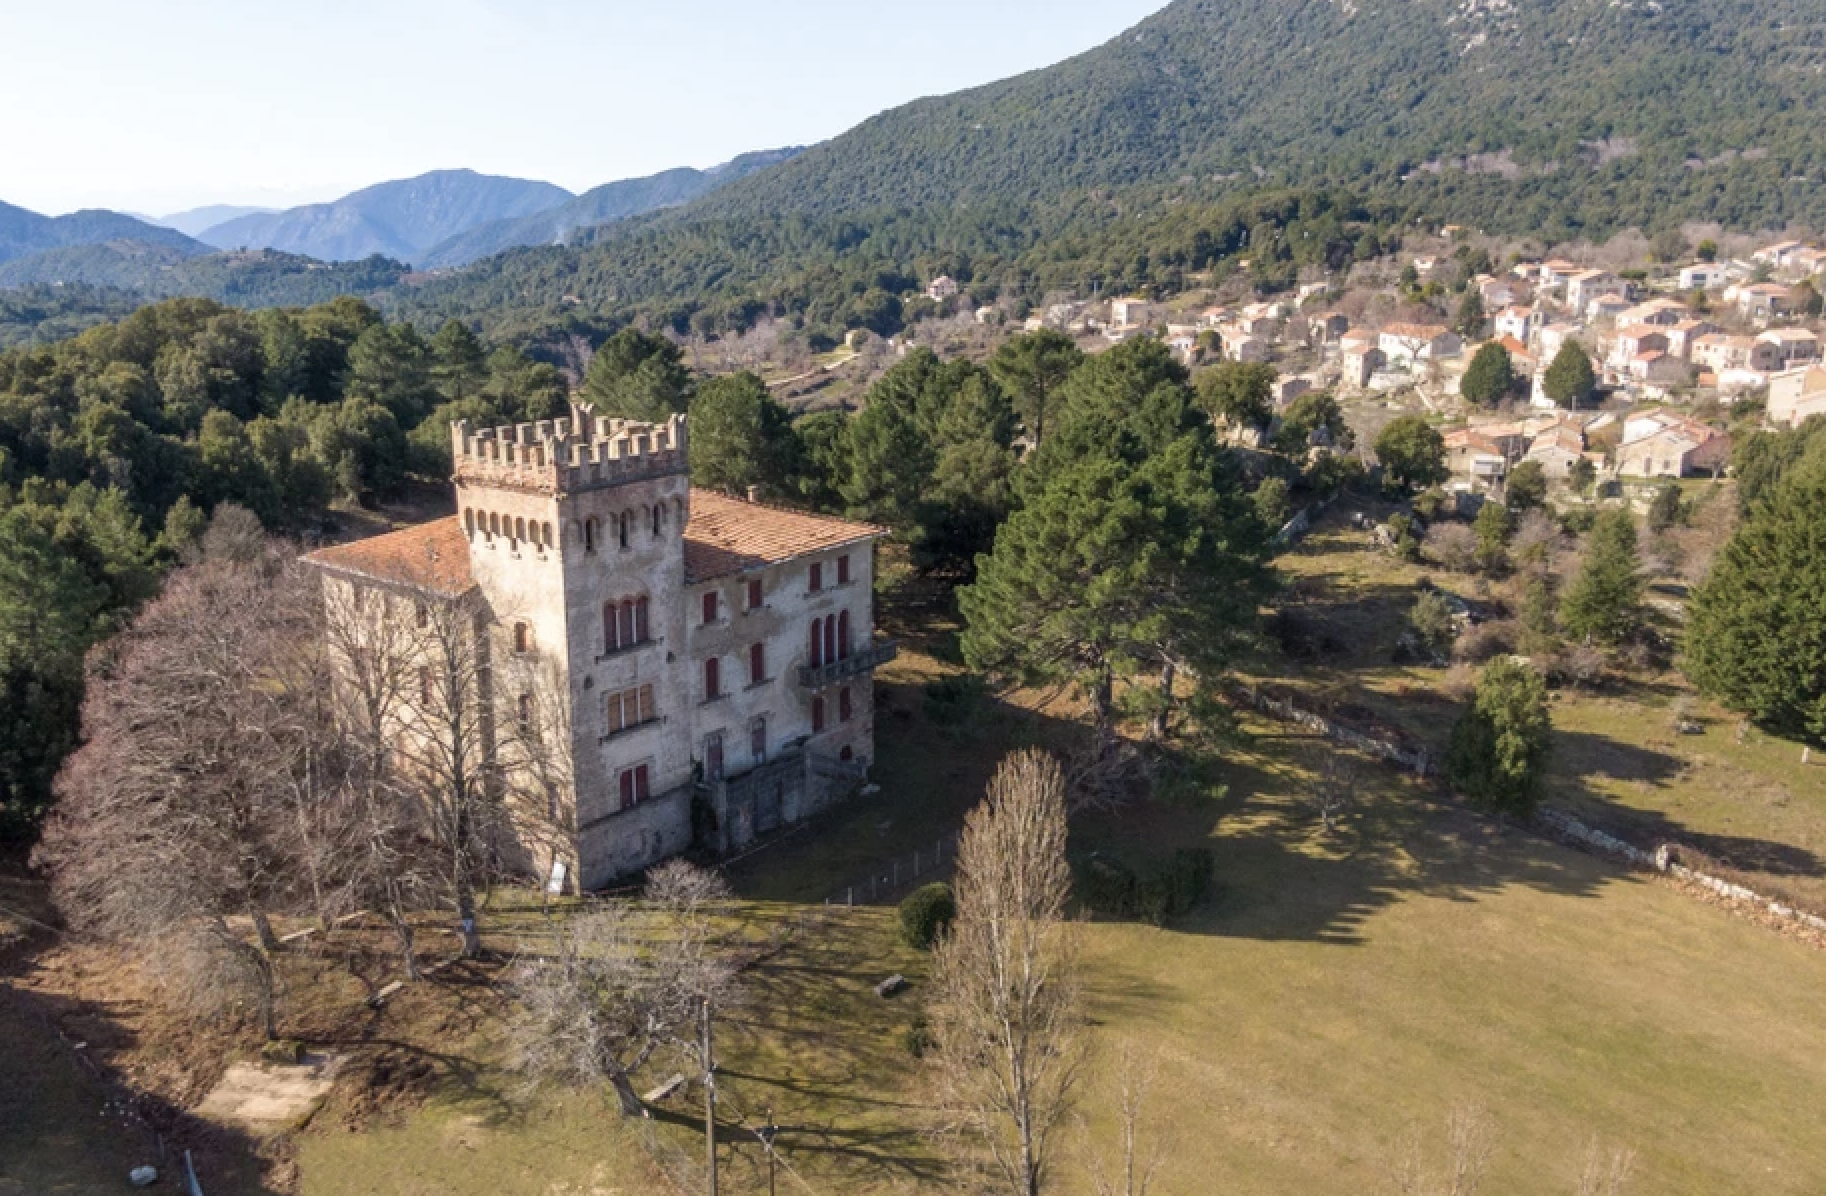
(1470, 1141)
(1005, 1010)
(1607, 1172)
(625, 985)
(193, 802)
(1135, 1169)
(1334, 791)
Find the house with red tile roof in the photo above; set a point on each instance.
(663, 667)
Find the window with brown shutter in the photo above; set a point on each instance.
(817, 577)
(713, 679)
(757, 663)
(754, 594)
(843, 570)
(710, 607)
(817, 715)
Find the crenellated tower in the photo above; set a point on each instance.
(576, 539)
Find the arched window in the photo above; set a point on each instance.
(830, 638)
(611, 627)
(523, 638)
(589, 534)
(519, 529)
(627, 528)
(523, 713)
(757, 663)
(843, 635)
(817, 715)
(494, 524)
(844, 710)
(816, 657)
(548, 534)
(469, 521)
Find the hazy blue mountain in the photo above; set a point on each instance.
(601, 205)
(398, 219)
(23, 232)
(245, 278)
(197, 221)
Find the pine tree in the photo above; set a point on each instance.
(1503, 740)
(1470, 322)
(639, 377)
(1604, 601)
(1757, 636)
(1490, 376)
(740, 436)
(1569, 380)
(1031, 369)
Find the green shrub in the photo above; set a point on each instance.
(917, 1037)
(955, 700)
(1107, 886)
(925, 914)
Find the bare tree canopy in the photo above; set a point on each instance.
(626, 985)
(1006, 1001)
(193, 800)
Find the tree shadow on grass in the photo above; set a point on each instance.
(71, 1119)
(1584, 761)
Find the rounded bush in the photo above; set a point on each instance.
(925, 914)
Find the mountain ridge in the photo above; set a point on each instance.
(605, 204)
(399, 218)
(24, 233)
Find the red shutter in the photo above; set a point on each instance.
(817, 643)
(713, 678)
(611, 638)
(627, 789)
(757, 663)
(843, 570)
(754, 595)
(817, 582)
(830, 639)
(641, 790)
(710, 607)
(642, 630)
(843, 635)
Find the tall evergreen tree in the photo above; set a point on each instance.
(637, 376)
(1412, 453)
(1604, 602)
(1031, 369)
(1757, 635)
(1490, 377)
(740, 436)
(1569, 380)
(1503, 740)
(1239, 393)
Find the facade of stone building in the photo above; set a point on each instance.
(693, 668)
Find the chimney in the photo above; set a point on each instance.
(754, 494)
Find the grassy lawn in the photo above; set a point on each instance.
(1334, 996)
(1748, 804)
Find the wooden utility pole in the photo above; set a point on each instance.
(709, 1092)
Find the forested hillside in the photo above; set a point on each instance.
(115, 444)
(255, 278)
(841, 272)
(600, 205)
(1591, 113)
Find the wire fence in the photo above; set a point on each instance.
(889, 879)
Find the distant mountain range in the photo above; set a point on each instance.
(602, 205)
(398, 219)
(24, 233)
(196, 221)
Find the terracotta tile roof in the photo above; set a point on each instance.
(428, 556)
(727, 535)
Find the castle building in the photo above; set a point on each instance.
(692, 669)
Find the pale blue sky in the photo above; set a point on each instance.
(159, 105)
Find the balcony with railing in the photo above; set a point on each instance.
(864, 660)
